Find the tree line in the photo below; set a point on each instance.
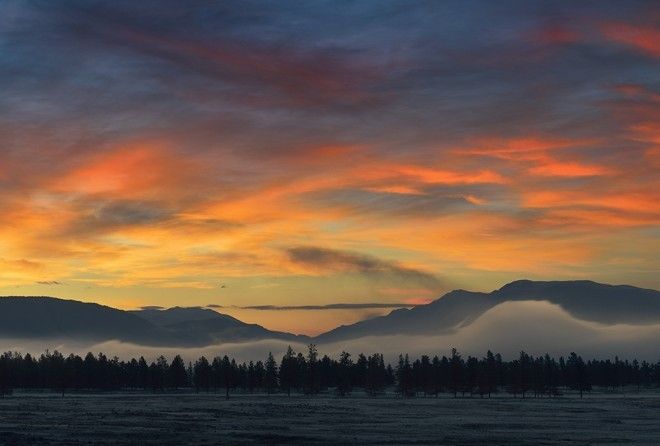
(310, 374)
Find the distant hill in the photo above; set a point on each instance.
(163, 317)
(586, 300)
(201, 326)
(48, 317)
(70, 320)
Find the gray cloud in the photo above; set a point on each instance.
(49, 282)
(215, 71)
(334, 261)
(127, 214)
(152, 307)
(107, 215)
(434, 201)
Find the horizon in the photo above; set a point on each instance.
(557, 310)
(243, 313)
(373, 155)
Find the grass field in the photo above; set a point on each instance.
(125, 418)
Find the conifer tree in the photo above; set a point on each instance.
(312, 378)
(270, 374)
(404, 377)
(178, 377)
(456, 376)
(288, 371)
(202, 374)
(344, 372)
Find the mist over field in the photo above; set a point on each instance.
(536, 327)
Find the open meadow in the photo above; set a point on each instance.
(205, 419)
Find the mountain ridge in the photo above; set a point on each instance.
(583, 299)
(56, 318)
(69, 319)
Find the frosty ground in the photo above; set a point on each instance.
(126, 418)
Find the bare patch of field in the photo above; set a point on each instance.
(201, 419)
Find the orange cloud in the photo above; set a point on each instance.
(410, 179)
(418, 301)
(598, 217)
(520, 149)
(644, 39)
(396, 189)
(630, 201)
(568, 169)
(637, 91)
(534, 155)
(127, 171)
(438, 176)
(526, 144)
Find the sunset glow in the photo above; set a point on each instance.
(227, 157)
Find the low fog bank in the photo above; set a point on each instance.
(536, 327)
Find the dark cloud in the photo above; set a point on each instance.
(99, 216)
(152, 307)
(127, 214)
(221, 71)
(342, 306)
(49, 282)
(432, 201)
(334, 261)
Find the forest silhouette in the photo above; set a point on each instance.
(524, 376)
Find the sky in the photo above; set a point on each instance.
(344, 157)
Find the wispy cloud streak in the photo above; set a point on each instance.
(340, 306)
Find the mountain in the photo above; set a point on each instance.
(70, 320)
(537, 327)
(584, 300)
(79, 322)
(201, 326)
(163, 317)
(48, 317)
(591, 301)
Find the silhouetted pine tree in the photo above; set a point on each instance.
(577, 374)
(227, 374)
(177, 375)
(259, 374)
(438, 371)
(327, 372)
(471, 378)
(360, 371)
(312, 376)
(344, 374)
(543, 375)
(142, 373)
(524, 373)
(490, 373)
(425, 378)
(404, 377)
(270, 374)
(376, 377)
(202, 374)
(288, 371)
(456, 373)
(5, 378)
